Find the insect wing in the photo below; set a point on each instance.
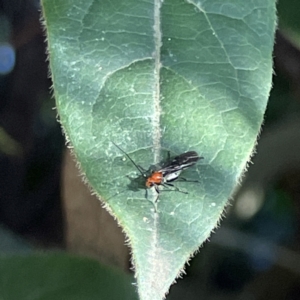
(171, 176)
(173, 169)
(181, 162)
(185, 160)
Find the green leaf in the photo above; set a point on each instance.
(58, 276)
(155, 77)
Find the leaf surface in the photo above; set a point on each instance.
(157, 77)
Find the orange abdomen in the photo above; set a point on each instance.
(155, 178)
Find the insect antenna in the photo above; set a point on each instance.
(138, 167)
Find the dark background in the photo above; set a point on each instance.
(256, 252)
(31, 141)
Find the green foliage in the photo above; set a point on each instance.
(156, 77)
(289, 22)
(288, 11)
(58, 276)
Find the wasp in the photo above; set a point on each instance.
(167, 173)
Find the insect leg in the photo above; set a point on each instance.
(169, 156)
(176, 189)
(186, 180)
